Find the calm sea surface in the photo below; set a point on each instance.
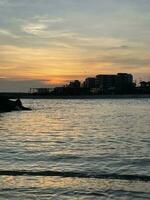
(76, 149)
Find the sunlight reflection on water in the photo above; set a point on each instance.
(100, 136)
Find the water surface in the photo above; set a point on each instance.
(103, 146)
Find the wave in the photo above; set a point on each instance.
(75, 175)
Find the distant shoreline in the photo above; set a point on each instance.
(94, 97)
(30, 96)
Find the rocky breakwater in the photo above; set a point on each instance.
(7, 105)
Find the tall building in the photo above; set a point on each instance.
(105, 82)
(120, 83)
(89, 83)
(124, 78)
(124, 83)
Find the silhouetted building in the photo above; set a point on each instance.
(121, 83)
(73, 88)
(105, 83)
(41, 91)
(124, 83)
(144, 84)
(74, 84)
(89, 83)
(144, 87)
(58, 91)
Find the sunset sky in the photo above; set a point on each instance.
(50, 42)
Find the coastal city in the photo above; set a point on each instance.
(102, 84)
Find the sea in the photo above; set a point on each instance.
(76, 149)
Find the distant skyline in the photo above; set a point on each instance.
(50, 42)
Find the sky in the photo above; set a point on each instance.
(44, 43)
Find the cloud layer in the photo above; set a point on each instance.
(57, 40)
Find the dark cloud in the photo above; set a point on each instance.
(129, 61)
(121, 61)
(121, 47)
(12, 85)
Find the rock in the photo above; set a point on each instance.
(7, 105)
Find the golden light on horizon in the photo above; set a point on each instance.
(41, 63)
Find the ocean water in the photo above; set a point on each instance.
(76, 149)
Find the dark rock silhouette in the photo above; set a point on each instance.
(7, 105)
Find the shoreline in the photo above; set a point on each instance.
(30, 96)
(95, 97)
